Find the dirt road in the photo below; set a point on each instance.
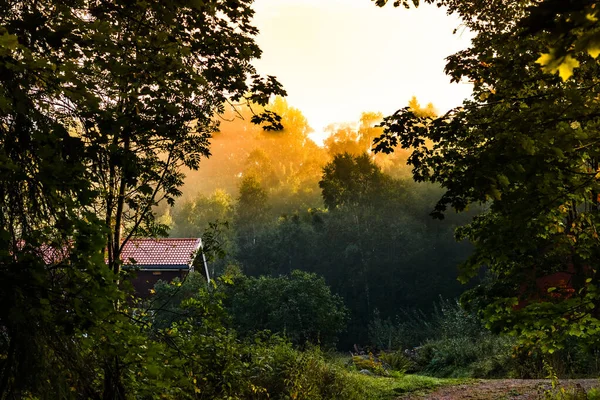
(503, 389)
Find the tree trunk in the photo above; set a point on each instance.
(113, 387)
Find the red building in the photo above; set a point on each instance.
(559, 285)
(160, 259)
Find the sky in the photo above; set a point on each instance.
(339, 58)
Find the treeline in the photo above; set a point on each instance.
(281, 203)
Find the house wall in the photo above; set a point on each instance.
(145, 280)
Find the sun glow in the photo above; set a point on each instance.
(339, 58)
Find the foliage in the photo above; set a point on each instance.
(377, 236)
(452, 342)
(101, 103)
(413, 327)
(191, 218)
(165, 305)
(379, 250)
(408, 329)
(571, 393)
(559, 391)
(299, 306)
(525, 146)
(487, 356)
(353, 139)
(250, 214)
(574, 361)
(261, 366)
(448, 342)
(208, 217)
(287, 163)
(373, 251)
(290, 374)
(218, 365)
(573, 27)
(397, 361)
(212, 357)
(370, 363)
(40, 324)
(351, 181)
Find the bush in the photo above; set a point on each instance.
(574, 361)
(190, 320)
(300, 307)
(450, 342)
(397, 361)
(411, 328)
(287, 373)
(369, 363)
(487, 356)
(165, 305)
(493, 356)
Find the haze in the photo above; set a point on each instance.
(339, 58)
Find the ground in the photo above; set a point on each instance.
(502, 389)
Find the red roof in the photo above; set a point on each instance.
(160, 253)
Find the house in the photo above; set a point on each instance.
(161, 259)
(152, 259)
(557, 286)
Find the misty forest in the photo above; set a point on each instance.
(171, 228)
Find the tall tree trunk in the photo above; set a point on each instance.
(113, 386)
(6, 371)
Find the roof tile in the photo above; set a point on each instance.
(160, 252)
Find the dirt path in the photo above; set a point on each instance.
(501, 389)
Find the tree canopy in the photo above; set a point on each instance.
(101, 104)
(524, 146)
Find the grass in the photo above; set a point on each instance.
(571, 393)
(383, 387)
(380, 388)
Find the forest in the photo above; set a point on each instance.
(405, 253)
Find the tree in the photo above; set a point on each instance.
(193, 217)
(351, 181)
(357, 195)
(250, 214)
(375, 246)
(287, 162)
(573, 27)
(525, 146)
(427, 111)
(101, 103)
(299, 306)
(355, 138)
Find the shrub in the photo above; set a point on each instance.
(411, 328)
(408, 329)
(192, 321)
(369, 363)
(574, 361)
(300, 306)
(486, 356)
(165, 305)
(397, 361)
(287, 373)
(451, 342)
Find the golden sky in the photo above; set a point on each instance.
(338, 58)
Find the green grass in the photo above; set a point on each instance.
(380, 388)
(384, 388)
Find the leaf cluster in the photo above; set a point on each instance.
(524, 146)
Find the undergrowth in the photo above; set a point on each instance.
(452, 342)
